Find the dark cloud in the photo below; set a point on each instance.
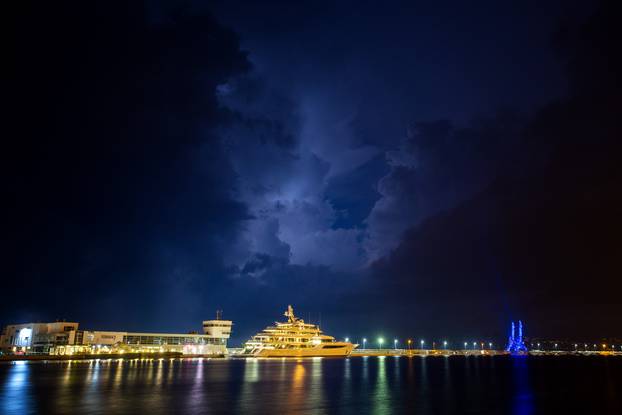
(541, 245)
(120, 188)
(156, 168)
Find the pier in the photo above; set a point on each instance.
(471, 352)
(426, 352)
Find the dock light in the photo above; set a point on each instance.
(380, 341)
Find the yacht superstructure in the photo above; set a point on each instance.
(295, 338)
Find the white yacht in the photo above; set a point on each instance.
(295, 338)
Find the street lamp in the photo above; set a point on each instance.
(380, 341)
(347, 339)
(445, 344)
(422, 343)
(465, 345)
(395, 344)
(474, 345)
(409, 341)
(490, 345)
(364, 341)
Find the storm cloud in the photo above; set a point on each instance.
(373, 162)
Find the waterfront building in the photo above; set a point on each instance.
(63, 338)
(34, 338)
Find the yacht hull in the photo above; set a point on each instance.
(307, 352)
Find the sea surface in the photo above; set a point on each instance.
(356, 385)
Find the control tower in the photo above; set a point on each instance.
(218, 329)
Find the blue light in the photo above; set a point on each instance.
(516, 344)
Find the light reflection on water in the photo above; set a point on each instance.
(16, 391)
(374, 385)
(382, 395)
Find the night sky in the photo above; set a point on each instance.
(410, 169)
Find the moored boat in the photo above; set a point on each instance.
(295, 338)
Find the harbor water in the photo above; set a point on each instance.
(355, 385)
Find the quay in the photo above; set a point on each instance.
(426, 352)
(471, 352)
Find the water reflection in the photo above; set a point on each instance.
(354, 386)
(15, 396)
(297, 392)
(382, 395)
(316, 394)
(523, 395)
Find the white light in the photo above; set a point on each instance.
(25, 335)
(445, 343)
(465, 344)
(347, 339)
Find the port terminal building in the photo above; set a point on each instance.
(65, 338)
